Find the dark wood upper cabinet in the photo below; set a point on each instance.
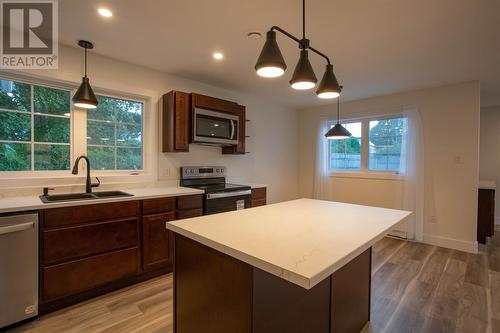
(239, 110)
(212, 103)
(176, 121)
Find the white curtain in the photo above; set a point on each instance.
(412, 169)
(320, 186)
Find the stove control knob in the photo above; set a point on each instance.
(192, 171)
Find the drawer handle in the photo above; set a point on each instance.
(16, 227)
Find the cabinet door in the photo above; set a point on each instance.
(239, 110)
(157, 241)
(176, 121)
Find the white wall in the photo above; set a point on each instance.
(450, 120)
(489, 161)
(273, 157)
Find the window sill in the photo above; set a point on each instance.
(366, 175)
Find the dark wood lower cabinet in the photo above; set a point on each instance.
(259, 196)
(74, 242)
(226, 295)
(485, 214)
(83, 274)
(86, 251)
(157, 241)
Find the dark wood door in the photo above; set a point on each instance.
(157, 241)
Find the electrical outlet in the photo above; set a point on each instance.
(433, 219)
(165, 172)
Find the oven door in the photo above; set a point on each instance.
(215, 127)
(226, 201)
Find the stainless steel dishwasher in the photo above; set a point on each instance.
(18, 268)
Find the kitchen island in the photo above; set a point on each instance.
(297, 266)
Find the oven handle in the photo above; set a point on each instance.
(211, 196)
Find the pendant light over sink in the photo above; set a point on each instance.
(338, 132)
(271, 63)
(84, 96)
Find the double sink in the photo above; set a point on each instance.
(83, 196)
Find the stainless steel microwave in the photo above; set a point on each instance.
(217, 128)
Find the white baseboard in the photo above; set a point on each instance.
(451, 243)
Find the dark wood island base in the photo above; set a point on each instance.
(216, 293)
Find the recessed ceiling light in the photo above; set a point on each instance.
(254, 35)
(104, 12)
(218, 56)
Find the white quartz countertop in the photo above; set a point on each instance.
(487, 184)
(302, 241)
(17, 204)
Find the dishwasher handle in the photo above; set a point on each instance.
(16, 227)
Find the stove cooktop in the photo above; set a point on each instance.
(223, 187)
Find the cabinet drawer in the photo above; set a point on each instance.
(157, 241)
(160, 205)
(84, 274)
(185, 214)
(88, 213)
(190, 201)
(259, 193)
(68, 243)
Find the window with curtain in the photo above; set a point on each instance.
(346, 154)
(34, 127)
(114, 134)
(385, 139)
(377, 144)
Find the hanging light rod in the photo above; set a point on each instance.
(272, 64)
(338, 132)
(84, 97)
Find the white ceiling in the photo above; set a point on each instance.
(377, 46)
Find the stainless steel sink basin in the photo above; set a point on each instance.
(83, 196)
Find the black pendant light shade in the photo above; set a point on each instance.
(303, 76)
(270, 62)
(329, 86)
(338, 132)
(84, 96)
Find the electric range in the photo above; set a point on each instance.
(219, 196)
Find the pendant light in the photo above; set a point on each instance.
(338, 132)
(84, 96)
(271, 63)
(303, 76)
(329, 86)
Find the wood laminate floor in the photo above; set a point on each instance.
(415, 288)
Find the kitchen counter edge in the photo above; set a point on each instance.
(29, 203)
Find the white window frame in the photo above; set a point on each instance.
(364, 172)
(78, 132)
(130, 171)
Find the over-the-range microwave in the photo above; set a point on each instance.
(215, 128)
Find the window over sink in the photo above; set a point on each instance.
(34, 127)
(41, 132)
(114, 134)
